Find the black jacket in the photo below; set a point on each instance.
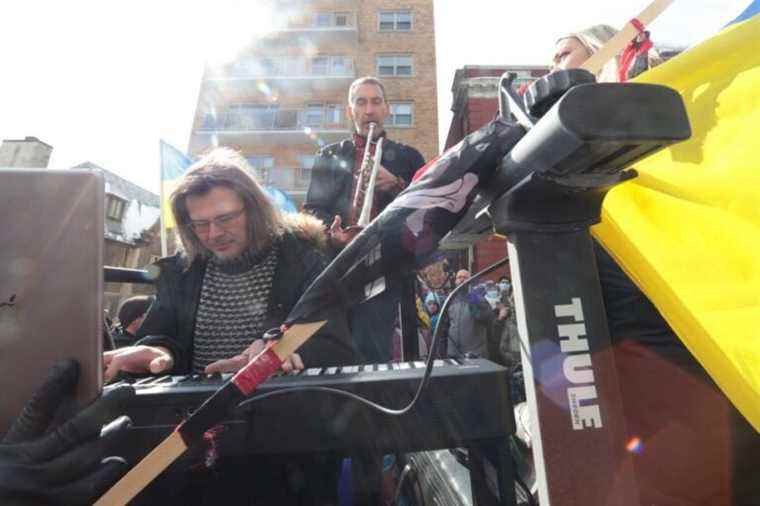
(170, 321)
(331, 179)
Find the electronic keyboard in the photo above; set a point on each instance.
(466, 401)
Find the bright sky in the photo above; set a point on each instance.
(103, 81)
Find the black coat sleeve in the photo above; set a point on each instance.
(321, 196)
(416, 162)
(160, 327)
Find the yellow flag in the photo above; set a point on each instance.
(174, 164)
(687, 230)
(167, 187)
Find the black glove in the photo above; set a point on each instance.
(65, 464)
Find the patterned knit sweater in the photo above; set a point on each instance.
(233, 306)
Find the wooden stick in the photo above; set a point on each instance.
(143, 473)
(621, 39)
(174, 445)
(294, 337)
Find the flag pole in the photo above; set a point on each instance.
(164, 251)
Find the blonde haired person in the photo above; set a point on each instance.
(573, 49)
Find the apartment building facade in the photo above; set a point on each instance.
(284, 96)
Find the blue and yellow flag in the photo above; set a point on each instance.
(752, 10)
(174, 164)
(687, 230)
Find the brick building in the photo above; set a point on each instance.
(284, 96)
(475, 103)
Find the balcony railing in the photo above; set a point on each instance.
(274, 120)
(299, 35)
(276, 74)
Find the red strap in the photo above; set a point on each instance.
(637, 25)
(641, 44)
(256, 372)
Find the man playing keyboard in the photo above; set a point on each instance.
(243, 265)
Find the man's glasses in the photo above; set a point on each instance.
(202, 227)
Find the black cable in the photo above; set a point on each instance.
(425, 376)
(406, 471)
(514, 451)
(409, 471)
(525, 489)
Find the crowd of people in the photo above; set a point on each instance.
(243, 265)
(480, 321)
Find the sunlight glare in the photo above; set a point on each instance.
(229, 27)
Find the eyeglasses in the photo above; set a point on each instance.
(202, 227)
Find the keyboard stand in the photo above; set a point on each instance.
(478, 455)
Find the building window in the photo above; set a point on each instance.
(333, 114)
(332, 19)
(320, 65)
(401, 115)
(332, 66)
(250, 117)
(269, 67)
(395, 21)
(287, 119)
(261, 161)
(320, 115)
(293, 65)
(342, 66)
(314, 115)
(394, 65)
(209, 121)
(115, 207)
(261, 164)
(304, 172)
(342, 19)
(323, 19)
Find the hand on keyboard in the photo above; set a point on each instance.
(237, 362)
(137, 359)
